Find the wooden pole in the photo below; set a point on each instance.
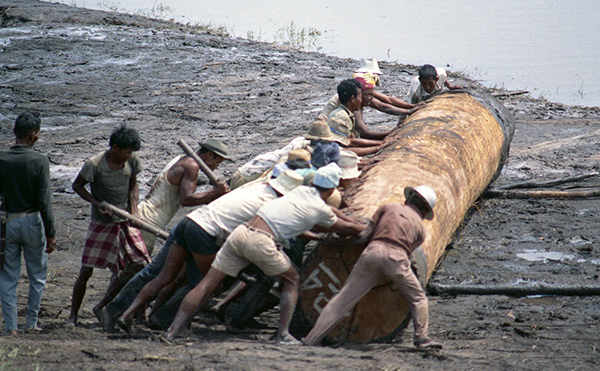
(524, 194)
(135, 221)
(512, 290)
(205, 169)
(546, 184)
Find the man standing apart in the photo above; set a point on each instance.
(176, 185)
(111, 242)
(395, 231)
(258, 242)
(27, 221)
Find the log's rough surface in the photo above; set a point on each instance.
(457, 145)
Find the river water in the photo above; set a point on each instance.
(550, 48)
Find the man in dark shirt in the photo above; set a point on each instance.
(28, 221)
(394, 232)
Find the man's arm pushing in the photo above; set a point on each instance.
(187, 188)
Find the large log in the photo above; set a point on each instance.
(457, 145)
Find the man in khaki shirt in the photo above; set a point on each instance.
(342, 121)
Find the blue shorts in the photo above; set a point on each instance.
(193, 238)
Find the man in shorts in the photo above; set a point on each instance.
(258, 242)
(201, 233)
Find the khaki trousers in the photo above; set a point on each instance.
(377, 261)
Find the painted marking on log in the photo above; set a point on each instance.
(313, 282)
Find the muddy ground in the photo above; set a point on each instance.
(88, 71)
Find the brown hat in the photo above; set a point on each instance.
(217, 146)
(299, 153)
(320, 130)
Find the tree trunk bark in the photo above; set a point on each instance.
(456, 145)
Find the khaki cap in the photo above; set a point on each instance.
(320, 130)
(217, 146)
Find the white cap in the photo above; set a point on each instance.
(328, 176)
(426, 194)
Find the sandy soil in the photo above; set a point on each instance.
(88, 71)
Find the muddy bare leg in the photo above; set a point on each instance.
(287, 304)
(194, 301)
(174, 263)
(79, 292)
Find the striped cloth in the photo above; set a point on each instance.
(113, 246)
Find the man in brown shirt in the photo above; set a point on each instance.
(395, 231)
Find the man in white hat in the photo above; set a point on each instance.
(369, 69)
(395, 231)
(200, 233)
(257, 242)
(175, 186)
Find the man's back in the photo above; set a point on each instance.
(25, 183)
(398, 225)
(222, 216)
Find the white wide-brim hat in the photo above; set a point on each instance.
(369, 66)
(328, 176)
(287, 181)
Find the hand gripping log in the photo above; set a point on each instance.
(134, 220)
(205, 169)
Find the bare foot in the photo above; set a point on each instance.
(71, 322)
(33, 330)
(287, 340)
(108, 322)
(427, 343)
(125, 324)
(98, 313)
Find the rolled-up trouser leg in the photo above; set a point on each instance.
(420, 317)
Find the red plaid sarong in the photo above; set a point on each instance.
(114, 245)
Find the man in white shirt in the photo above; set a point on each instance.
(258, 242)
(200, 233)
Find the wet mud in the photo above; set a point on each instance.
(87, 72)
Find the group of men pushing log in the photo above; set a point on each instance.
(274, 202)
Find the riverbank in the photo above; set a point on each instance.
(88, 71)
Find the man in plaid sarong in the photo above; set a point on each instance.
(111, 243)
